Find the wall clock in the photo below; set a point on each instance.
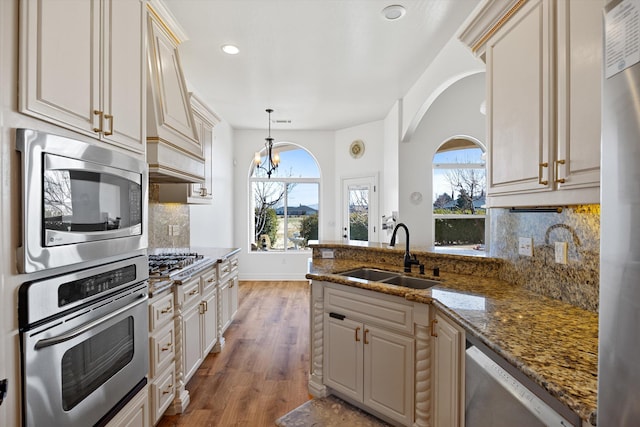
(356, 149)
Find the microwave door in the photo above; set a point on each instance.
(85, 201)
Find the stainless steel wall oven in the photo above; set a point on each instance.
(84, 343)
(80, 202)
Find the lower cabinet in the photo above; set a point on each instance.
(448, 362)
(366, 359)
(370, 365)
(135, 413)
(162, 353)
(229, 301)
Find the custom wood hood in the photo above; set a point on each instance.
(174, 152)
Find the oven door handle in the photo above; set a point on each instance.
(47, 342)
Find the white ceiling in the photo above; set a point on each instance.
(323, 64)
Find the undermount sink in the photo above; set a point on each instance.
(371, 274)
(390, 278)
(411, 282)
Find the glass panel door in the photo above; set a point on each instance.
(359, 209)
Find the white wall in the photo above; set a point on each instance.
(391, 183)
(454, 112)
(371, 163)
(453, 62)
(279, 265)
(212, 225)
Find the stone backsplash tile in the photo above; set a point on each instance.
(576, 282)
(163, 215)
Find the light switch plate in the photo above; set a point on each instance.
(561, 252)
(525, 246)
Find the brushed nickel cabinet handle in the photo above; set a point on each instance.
(558, 180)
(540, 166)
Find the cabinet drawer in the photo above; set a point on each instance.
(160, 312)
(162, 348)
(224, 269)
(233, 262)
(162, 393)
(369, 306)
(209, 279)
(189, 292)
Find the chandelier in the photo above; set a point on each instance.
(272, 159)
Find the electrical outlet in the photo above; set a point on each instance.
(170, 230)
(525, 246)
(176, 230)
(561, 252)
(327, 254)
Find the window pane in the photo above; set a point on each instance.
(295, 162)
(268, 197)
(459, 231)
(468, 155)
(459, 191)
(302, 215)
(359, 213)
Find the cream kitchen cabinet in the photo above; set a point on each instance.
(82, 67)
(135, 413)
(201, 193)
(369, 351)
(228, 288)
(448, 372)
(543, 89)
(162, 353)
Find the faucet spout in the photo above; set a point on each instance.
(408, 260)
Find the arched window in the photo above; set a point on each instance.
(284, 208)
(459, 192)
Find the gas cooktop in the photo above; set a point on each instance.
(170, 268)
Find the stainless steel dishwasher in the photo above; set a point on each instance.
(499, 395)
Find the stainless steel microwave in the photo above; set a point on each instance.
(80, 202)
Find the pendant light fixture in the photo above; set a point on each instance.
(272, 159)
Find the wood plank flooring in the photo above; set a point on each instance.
(262, 371)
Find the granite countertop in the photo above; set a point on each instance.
(219, 254)
(553, 343)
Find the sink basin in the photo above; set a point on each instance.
(370, 274)
(390, 278)
(411, 282)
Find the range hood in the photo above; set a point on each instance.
(174, 153)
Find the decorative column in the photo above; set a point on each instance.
(316, 323)
(423, 396)
(182, 398)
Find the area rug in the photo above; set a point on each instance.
(328, 412)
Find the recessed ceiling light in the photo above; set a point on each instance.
(230, 49)
(393, 12)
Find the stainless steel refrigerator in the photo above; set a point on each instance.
(619, 332)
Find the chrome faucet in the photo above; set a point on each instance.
(408, 259)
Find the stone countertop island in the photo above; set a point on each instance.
(552, 342)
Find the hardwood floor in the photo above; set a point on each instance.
(262, 371)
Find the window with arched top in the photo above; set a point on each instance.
(459, 192)
(284, 208)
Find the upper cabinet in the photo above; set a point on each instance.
(201, 193)
(543, 99)
(82, 67)
(174, 151)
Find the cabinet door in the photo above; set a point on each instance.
(519, 94)
(343, 356)
(60, 62)
(233, 297)
(448, 393)
(225, 306)
(124, 87)
(135, 413)
(579, 93)
(388, 373)
(191, 341)
(209, 323)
